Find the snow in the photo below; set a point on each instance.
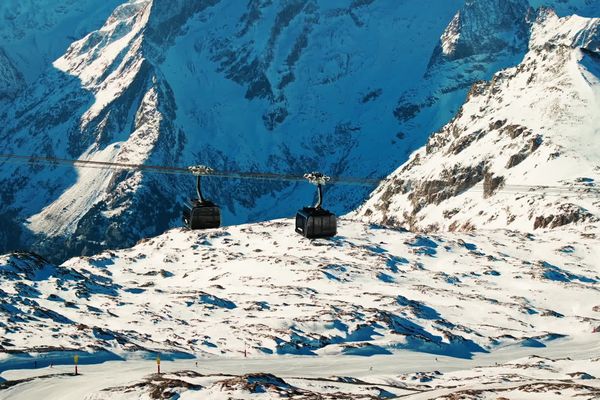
(36, 32)
(266, 86)
(179, 51)
(551, 372)
(451, 35)
(108, 60)
(465, 299)
(375, 312)
(64, 214)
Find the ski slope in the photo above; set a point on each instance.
(555, 372)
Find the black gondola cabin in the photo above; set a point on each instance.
(201, 215)
(316, 222)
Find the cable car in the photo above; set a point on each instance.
(316, 222)
(201, 213)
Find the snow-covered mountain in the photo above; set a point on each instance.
(584, 8)
(33, 33)
(369, 291)
(523, 150)
(350, 87)
(267, 86)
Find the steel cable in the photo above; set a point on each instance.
(578, 189)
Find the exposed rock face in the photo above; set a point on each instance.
(482, 38)
(484, 27)
(491, 184)
(451, 182)
(567, 214)
(521, 153)
(11, 80)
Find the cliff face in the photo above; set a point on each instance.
(522, 152)
(11, 80)
(484, 27)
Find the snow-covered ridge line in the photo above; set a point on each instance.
(573, 31)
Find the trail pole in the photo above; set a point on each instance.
(76, 359)
(158, 364)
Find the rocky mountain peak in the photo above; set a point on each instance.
(484, 27)
(519, 153)
(576, 32)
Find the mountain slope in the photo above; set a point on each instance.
(584, 8)
(11, 80)
(368, 291)
(33, 33)
(534, 125)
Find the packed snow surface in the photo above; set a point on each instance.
(557, 372)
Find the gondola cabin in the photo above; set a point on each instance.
(201, 213)
(315, 223)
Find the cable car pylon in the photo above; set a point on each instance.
(201, 213)
(316, 222)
